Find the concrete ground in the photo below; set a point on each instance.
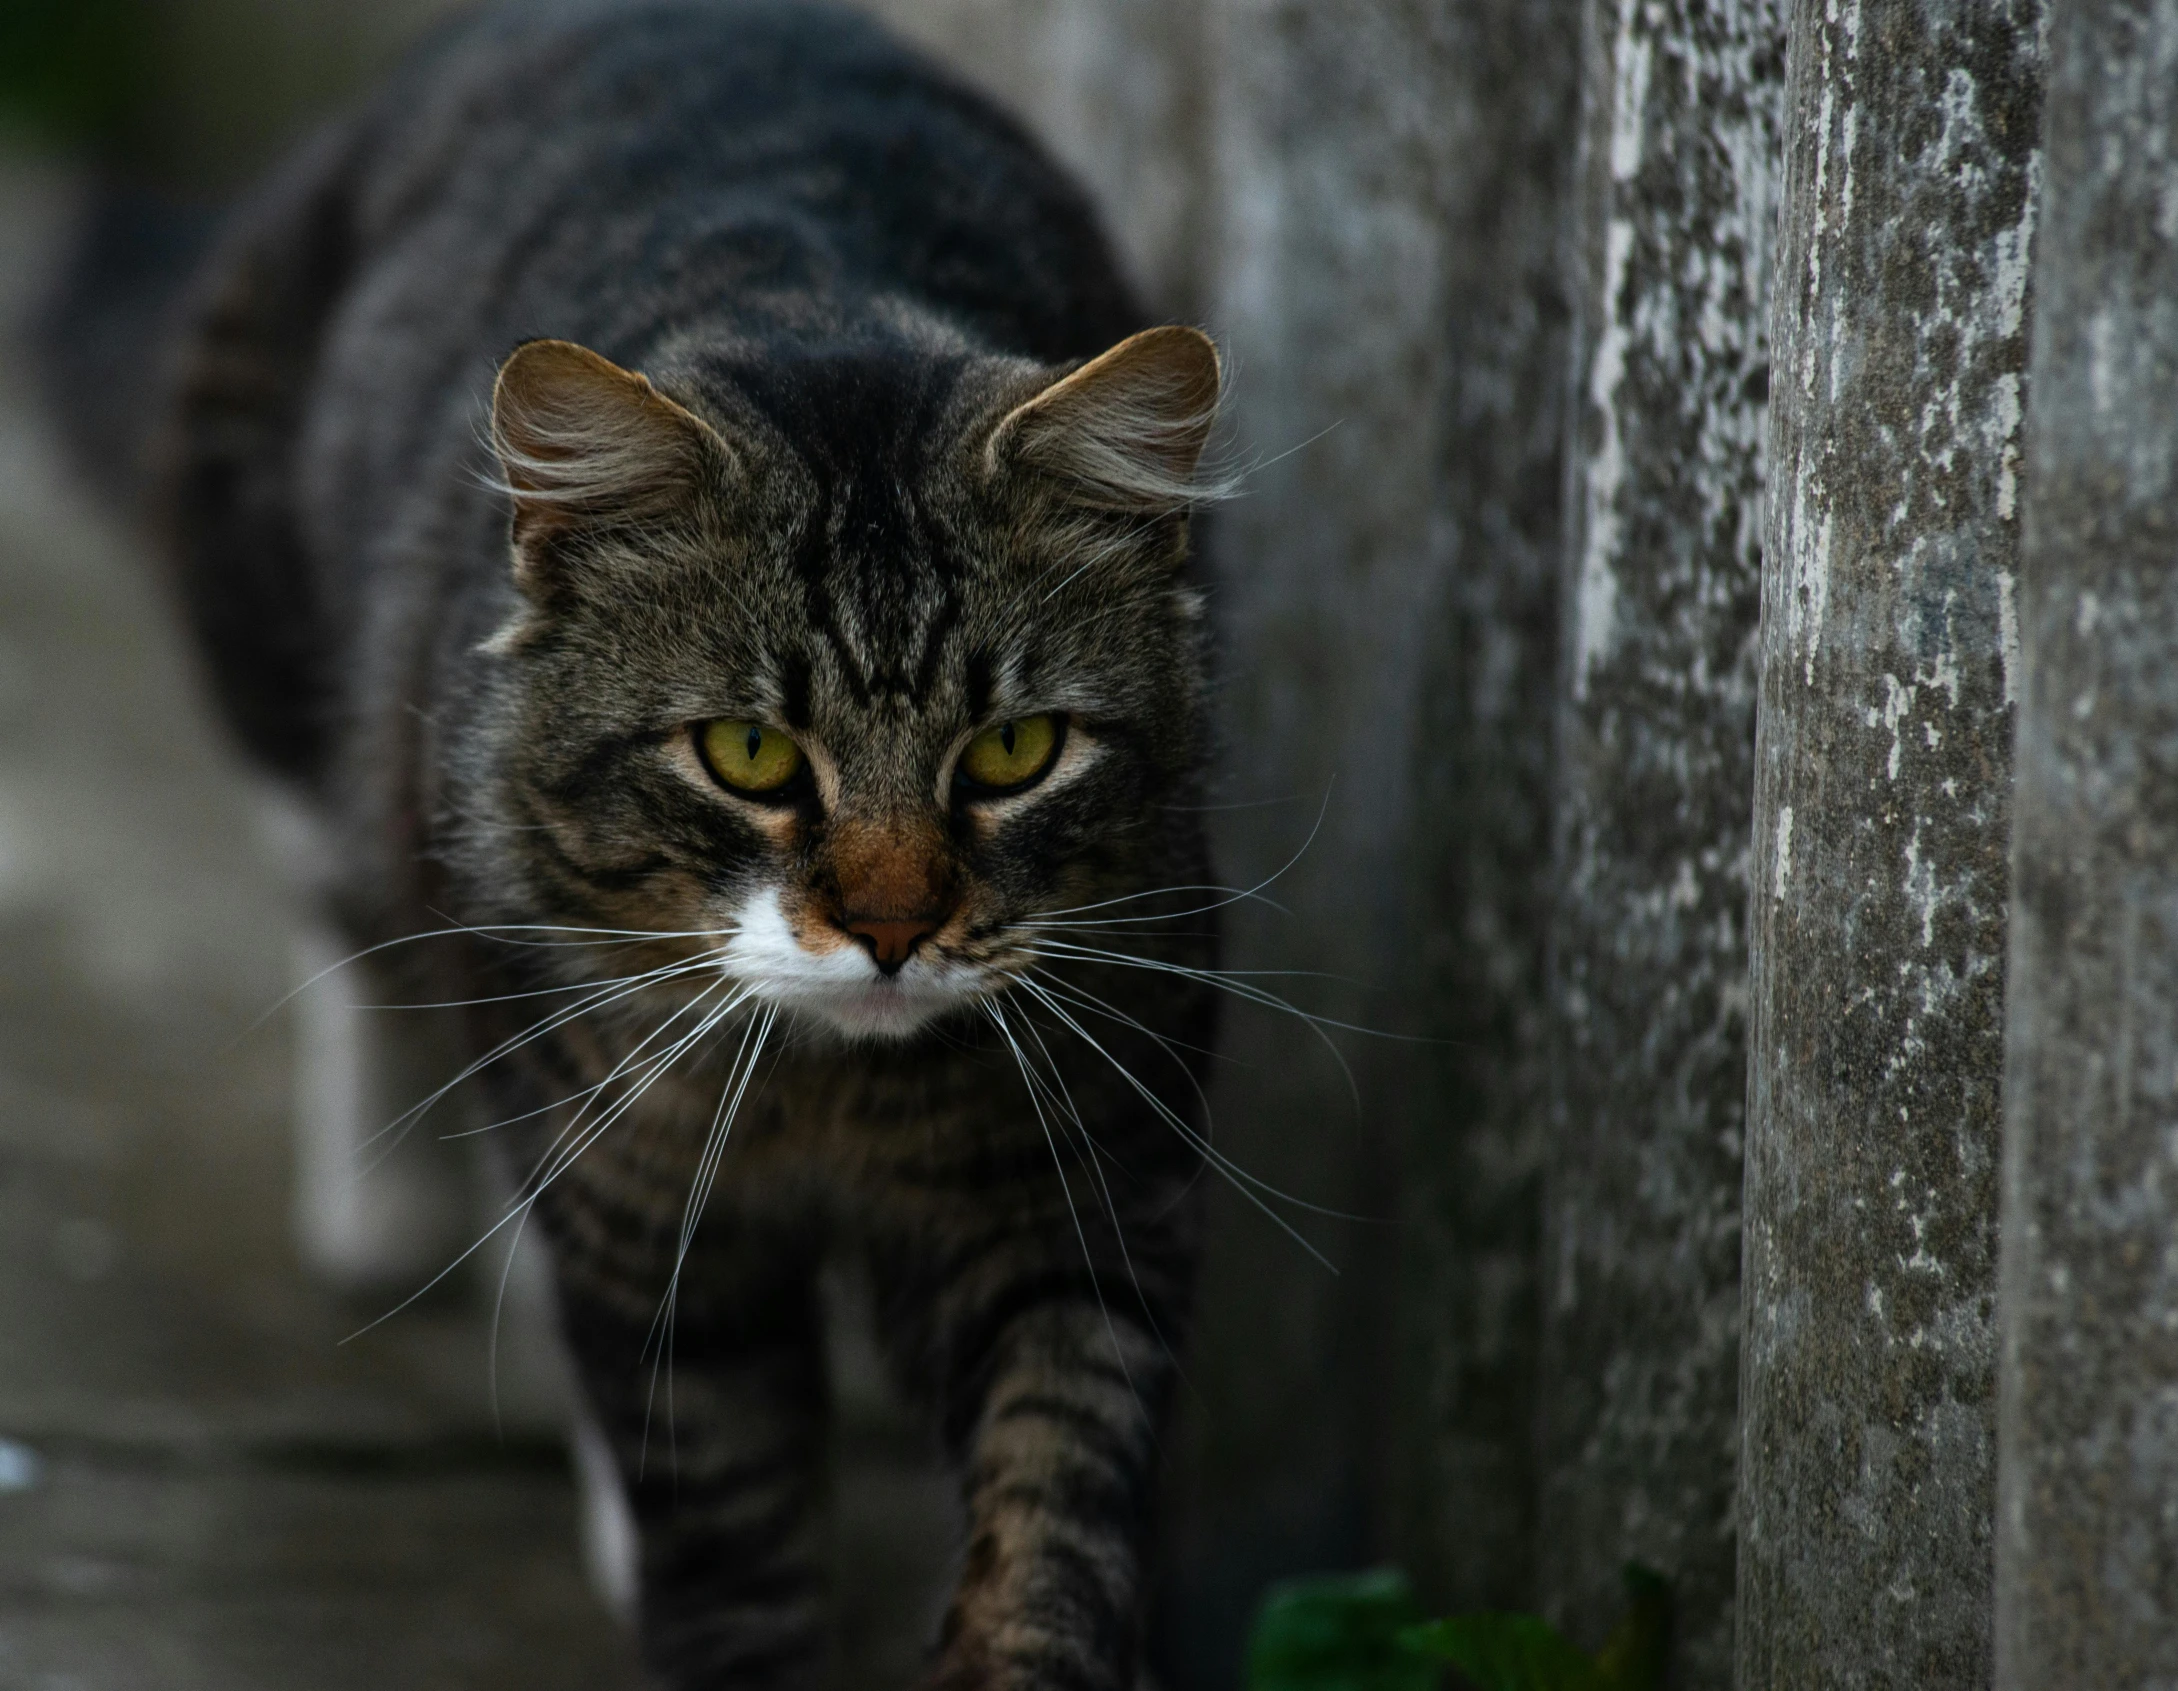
(200, 1485)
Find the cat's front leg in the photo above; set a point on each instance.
(722, 1462)
(1058, 1478)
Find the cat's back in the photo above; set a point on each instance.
(646, 162)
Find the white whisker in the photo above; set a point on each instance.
(1060, 950)
(1090, 1001)
(517, 997)
(609, 993)
(1240, 1178)
(521, 1206)
(650, 1068)
(651, 1071)
(1088, 1259)
(1111, 1206)
(620, 936)
(738, 1075)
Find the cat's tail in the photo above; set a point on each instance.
(103, 338)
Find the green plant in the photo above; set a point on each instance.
(1365, 1632)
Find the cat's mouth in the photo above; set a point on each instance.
(838, 983)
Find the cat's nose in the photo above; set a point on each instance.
(891, 942)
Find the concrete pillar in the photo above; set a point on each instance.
(2087, 1524)
(1656, 767)
(1882, 823)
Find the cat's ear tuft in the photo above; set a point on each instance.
(583, 442)
(1125, 431)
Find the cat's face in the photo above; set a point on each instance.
(849, 683)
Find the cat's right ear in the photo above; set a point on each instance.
(584, 444)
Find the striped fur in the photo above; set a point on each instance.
(819, 404)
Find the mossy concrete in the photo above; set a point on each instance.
(1656, 742)
(1882, 823)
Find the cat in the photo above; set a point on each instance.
(684, 492)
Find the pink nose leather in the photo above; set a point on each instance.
(892, 943)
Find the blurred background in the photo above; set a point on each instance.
(201, 1486)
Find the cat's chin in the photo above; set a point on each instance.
(881, 1013)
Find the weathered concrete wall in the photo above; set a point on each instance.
(1657, 739)
(2087, 1537)
(1882, 824)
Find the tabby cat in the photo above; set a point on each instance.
(685, 491)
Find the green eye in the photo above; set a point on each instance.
(1012, 752)
(749, 757)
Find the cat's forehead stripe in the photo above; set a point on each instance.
(882, 584)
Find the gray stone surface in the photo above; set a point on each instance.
(2087, 1533)
(1882, 824)
(1641, 1265)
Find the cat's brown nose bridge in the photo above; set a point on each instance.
(892, 888)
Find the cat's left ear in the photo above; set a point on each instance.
(584, 443)
(1125, 431)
